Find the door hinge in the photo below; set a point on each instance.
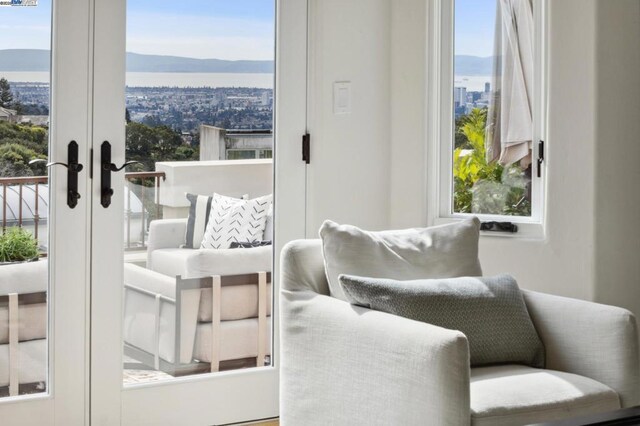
(306, 148)
(540, 157)
(91, 164)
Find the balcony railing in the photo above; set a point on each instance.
(25, 204)
(138, 216)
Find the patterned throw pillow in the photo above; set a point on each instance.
(199, 210)
(490, 311)
(233, 220)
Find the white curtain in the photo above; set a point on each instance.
(510, 120)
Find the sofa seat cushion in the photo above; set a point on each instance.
(171, 261)
(192, 263)
(518, 395)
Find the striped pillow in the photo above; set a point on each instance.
(198, 218)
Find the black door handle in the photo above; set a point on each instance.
(106, 167)
(73, 168)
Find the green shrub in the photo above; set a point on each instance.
(480, 186)
(17, 245)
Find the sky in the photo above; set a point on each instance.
(26, 27)
(475, 27)
(222, 29)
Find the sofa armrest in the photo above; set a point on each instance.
(165, 233)
(589, 339)
(342, 364)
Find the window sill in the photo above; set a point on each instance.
(526, 230)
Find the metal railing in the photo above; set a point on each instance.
(13, 215)
(25, 204)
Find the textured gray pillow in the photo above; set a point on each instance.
(445, 251)
(490, 311)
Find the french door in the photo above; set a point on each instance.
(158, 354)
(141, 329)
(44, 315)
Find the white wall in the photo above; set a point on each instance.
(407, 207)
(617, 160)
(348, 178)
(233, 178)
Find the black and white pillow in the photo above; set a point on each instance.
(199, 211)
(247, 244)
(234, 220)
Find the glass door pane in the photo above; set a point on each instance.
(44, 93)
(198, 204)
(25, 37)
(183, 315)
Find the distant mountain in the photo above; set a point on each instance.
(155, 63)
(38, 60)
(473, 65)
(24, 60)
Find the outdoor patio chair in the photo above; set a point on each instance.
(23, 327)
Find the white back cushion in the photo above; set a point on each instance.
(446, 251)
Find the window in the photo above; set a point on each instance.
(488, 91)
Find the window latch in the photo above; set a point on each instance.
(499, 227)
(540, 157)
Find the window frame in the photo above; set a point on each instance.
(441, 122)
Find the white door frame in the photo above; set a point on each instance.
(224, 397)
(66, 403)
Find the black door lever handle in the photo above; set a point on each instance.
(106, 167)
(113, 168)
(73, 168)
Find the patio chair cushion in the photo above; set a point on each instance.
(190, 263)
(24, 278)
(32, 357)
(515, 395)
(239, 339)
(438, 252)
(490, 311)
(32, 322)
(237, 303)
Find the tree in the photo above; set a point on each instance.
(6, 97)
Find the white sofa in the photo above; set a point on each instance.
(161, 295)
(23, 326)
(347, 365)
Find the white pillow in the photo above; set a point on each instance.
(236, 220)
(446, 251)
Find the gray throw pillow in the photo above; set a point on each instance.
(445, 251)
(490, 311)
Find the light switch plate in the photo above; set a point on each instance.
(342, 97)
